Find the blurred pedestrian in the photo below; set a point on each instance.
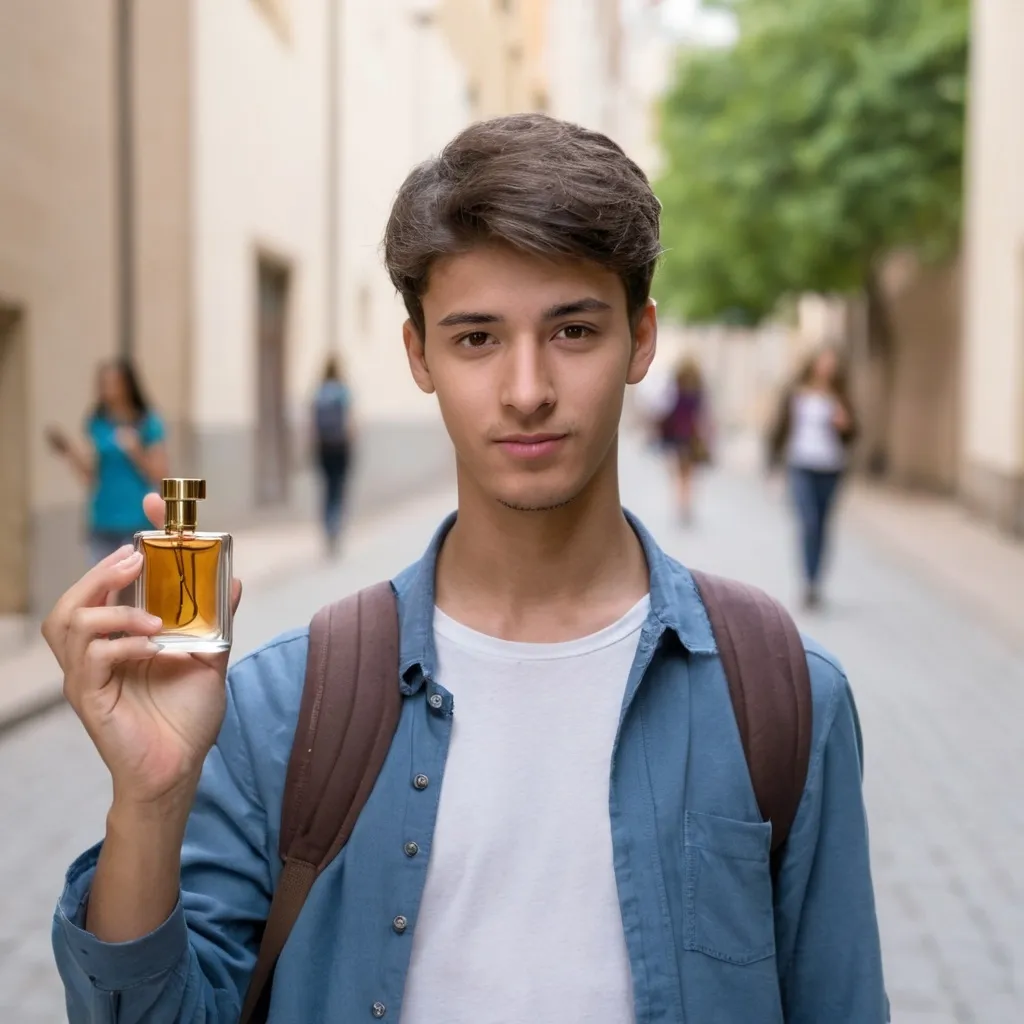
(812, 433)
(333, 424)
(684, 431)
(120, 459)
(653, 398)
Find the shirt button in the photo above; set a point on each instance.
(400, 924)
(411, 849)
(378, 1010)
(436, 701)
(421, 782)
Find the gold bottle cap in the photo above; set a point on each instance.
(181, 509)
(176, 489)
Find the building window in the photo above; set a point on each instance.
(277, 14)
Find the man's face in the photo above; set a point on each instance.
(529, 359)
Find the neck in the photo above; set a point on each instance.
(120, 411)
(542, 576)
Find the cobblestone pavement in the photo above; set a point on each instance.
(941, 701)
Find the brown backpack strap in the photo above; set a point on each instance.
(347, 720)
(766, 666)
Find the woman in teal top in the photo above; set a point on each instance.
(121, 458)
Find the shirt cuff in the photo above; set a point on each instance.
(115, 966)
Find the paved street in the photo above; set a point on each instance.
(941, 700)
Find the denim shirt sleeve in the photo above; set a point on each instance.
(830, 961)
(195, 967)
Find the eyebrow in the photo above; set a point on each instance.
(461, 319)
(587, 305)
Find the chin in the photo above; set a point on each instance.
(537, 500)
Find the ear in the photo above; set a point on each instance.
(645, 343)
(415, 350)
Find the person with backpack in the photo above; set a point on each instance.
(545, 774)
(332, 419)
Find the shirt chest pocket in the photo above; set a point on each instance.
(729, 912)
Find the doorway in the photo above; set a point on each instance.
(272, 446)
(13, 464)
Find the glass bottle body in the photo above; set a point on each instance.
(186, 582)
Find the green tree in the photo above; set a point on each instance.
(828, 136)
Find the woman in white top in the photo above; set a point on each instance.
(812, 434)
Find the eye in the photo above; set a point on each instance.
(475, 339)
(575, 332)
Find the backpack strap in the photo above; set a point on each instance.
(770, 686)
(347, 719)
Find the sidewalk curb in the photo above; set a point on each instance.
(19, 715)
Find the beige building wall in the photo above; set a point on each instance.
(584, 61)
(59, 251)
(57, 273)
(646, 61)
(404, 94)
(163, 214)
(492, 39)
(993, 366)
(258, 166)
(925, 308)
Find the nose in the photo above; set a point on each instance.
(528, 387)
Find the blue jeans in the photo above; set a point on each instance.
(813, 495)
(334, 466)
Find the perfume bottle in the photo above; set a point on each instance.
(186, 575)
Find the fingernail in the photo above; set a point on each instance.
(125, 551)
(154, 621)
(130, 559)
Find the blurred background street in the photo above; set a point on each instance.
(192, 197)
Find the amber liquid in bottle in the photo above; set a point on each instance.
(183, 584)
(186, 575)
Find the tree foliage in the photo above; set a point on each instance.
(828, 136)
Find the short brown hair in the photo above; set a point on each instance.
(533, 182)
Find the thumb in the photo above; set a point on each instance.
(153, 506)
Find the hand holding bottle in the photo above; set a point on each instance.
(152, 714)
(129, 441)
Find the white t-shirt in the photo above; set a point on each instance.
(814, 442)
(520, 920)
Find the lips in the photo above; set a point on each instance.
(531, 446)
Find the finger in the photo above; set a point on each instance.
(115, 572)
(89, 623)
(101, 658)
(236, 595)
(153, 506)
(107, 653)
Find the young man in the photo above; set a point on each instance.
(564, 828)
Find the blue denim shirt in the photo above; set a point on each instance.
(709, 939)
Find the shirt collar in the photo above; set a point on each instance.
(675, 604)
